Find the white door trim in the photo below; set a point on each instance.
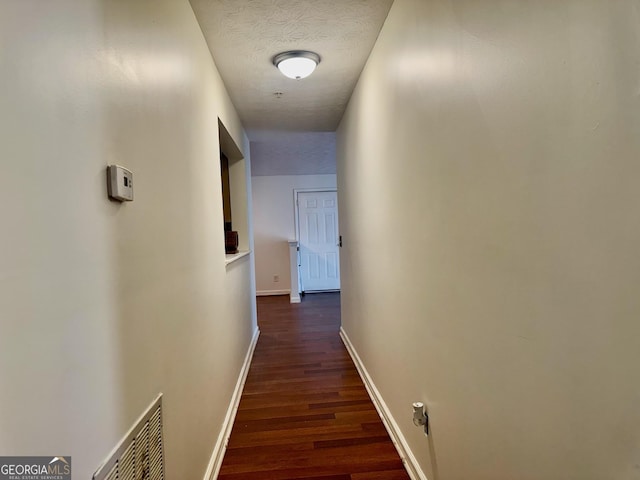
(297, 219)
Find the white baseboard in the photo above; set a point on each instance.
(215, 463)
(266, 293)
(407, 456)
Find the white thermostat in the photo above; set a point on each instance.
(120, 183)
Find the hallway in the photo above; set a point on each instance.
(485, 159)
(304, 412)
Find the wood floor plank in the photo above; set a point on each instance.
(399, 474)
(304, 412)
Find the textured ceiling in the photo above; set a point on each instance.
(293, 153)
(244, 35)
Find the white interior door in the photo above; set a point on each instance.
(318, 236)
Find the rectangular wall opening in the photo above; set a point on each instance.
(234, 192)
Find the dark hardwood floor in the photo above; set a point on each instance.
(304, 412)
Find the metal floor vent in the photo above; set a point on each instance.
(140, 455)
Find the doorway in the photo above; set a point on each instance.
(317, 231)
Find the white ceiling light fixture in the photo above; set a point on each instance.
(296, 64)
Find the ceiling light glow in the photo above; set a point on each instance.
(296, 64)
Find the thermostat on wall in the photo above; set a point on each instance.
(120, 183)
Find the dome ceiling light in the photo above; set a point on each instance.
(296, 64)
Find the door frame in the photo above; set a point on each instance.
(297, 222)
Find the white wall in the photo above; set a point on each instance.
(274, 225)
(490, 210)
(103, 305)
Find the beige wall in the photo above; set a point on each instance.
(274, 225)
(490, 210)
(103, 305)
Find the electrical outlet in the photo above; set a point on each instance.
(276, 278)
(420, 417)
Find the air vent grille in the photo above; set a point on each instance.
(140, 456)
